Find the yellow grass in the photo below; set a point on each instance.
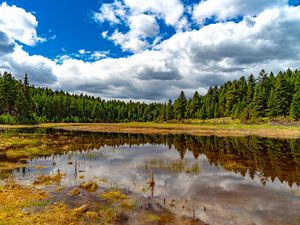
(218, 127)
(48, 180)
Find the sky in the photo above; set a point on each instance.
(147, 50)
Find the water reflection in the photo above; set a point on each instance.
(219, 179)
(264, 158)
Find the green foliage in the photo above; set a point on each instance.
(170, 111)
(7, 94)
(295, 106)
(180, 106)
(247, 99)
(7, 119)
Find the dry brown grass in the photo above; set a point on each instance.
(90, 186)
(193, 129)
(217, 127)
(48, 180)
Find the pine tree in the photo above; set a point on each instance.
(231, 98)
(250, 89)
(189, 110)
(180, 106)
(195, 104)
(295, 106)
(272, 105)
(170, 110)
(24, 103)
(283, 96)
(259, 101)
(8, 94)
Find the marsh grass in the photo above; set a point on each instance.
(117, 198)
(27, 205)
(280, 127)
(151, 218)
(90, 186)
(217, 127)
(48, 179)
(20, 205)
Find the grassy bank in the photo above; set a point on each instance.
(217, 127)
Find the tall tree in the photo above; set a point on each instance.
(170, 110)
(295, 106)
(180, 106)
(7, 94)
(24, 103)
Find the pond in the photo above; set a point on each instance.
(221, 180)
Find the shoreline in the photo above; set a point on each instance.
(222, 130)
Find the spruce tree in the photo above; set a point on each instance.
(170, 110)
(180, 106)
(295, 106)
(195, 104)
(259, 101)
(8, 94)
(24, 103)
(250, 89)
(283, 96)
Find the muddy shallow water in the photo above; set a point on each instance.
(230, 180)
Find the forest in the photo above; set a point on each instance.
(263, 96)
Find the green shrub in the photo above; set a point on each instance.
(7, 119)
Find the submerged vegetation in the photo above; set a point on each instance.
(250, 100)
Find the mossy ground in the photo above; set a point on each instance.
(29, 205)
(48, 179)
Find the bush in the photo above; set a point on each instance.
(7, 119)
(39, 119)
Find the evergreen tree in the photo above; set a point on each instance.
(170, 111)
(270, 96)
(24, 103)
(250, 89)
(8, 94)
(260, 101)
(282, 97)
(180, 106)
(273, 109)
(295, 106)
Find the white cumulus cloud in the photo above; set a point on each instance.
(18, 24)
(140, 17)
(189, 60)
(229, 9)
(141, 27)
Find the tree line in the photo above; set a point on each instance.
(247, 99)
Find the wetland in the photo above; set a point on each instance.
(121, 178)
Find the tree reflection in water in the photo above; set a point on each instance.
(265, 158)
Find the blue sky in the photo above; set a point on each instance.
(146, 49)
(71, 24)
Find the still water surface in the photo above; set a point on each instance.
(223, 180)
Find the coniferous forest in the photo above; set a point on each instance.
(265, 95)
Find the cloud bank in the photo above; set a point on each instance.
(198, 55)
